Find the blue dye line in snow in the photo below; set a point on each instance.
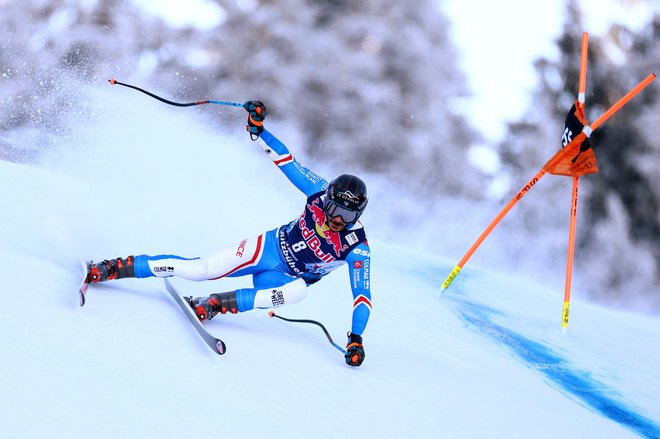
(576, 382)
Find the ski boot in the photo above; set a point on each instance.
(208, 307)
(110, 269)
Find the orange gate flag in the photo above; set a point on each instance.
(570, 160)
(567, 160)
(576, 157)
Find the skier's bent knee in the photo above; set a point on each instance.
(292, 292)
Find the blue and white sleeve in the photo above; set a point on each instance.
(359, 261)
(308, 182)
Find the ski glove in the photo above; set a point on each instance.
(354, 350)
(255, 122)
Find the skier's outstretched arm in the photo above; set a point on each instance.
(305, 180)
(359, 261)
(308, 182)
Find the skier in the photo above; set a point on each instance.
(282, 261)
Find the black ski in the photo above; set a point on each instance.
(216, 344)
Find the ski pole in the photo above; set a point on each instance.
(327, 334)
(176, 104)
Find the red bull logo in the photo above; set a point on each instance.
(313, 242)
(332, 238)
(318, 215)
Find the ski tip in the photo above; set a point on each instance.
(82, 292)
(83, 286)
(220, 347)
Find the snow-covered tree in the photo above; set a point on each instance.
(367, 85)
(618, 257)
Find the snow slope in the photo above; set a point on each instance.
(487, 359)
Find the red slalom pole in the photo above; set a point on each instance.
(570, 149)
(582, 86)
(490, 228)
(571, 251)
(623, 101)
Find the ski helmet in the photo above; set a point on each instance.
(346, 196)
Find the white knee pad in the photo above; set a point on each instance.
(286, 294)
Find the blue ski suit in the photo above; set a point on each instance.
(284, 261)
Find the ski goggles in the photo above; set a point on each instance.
(334, 210)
